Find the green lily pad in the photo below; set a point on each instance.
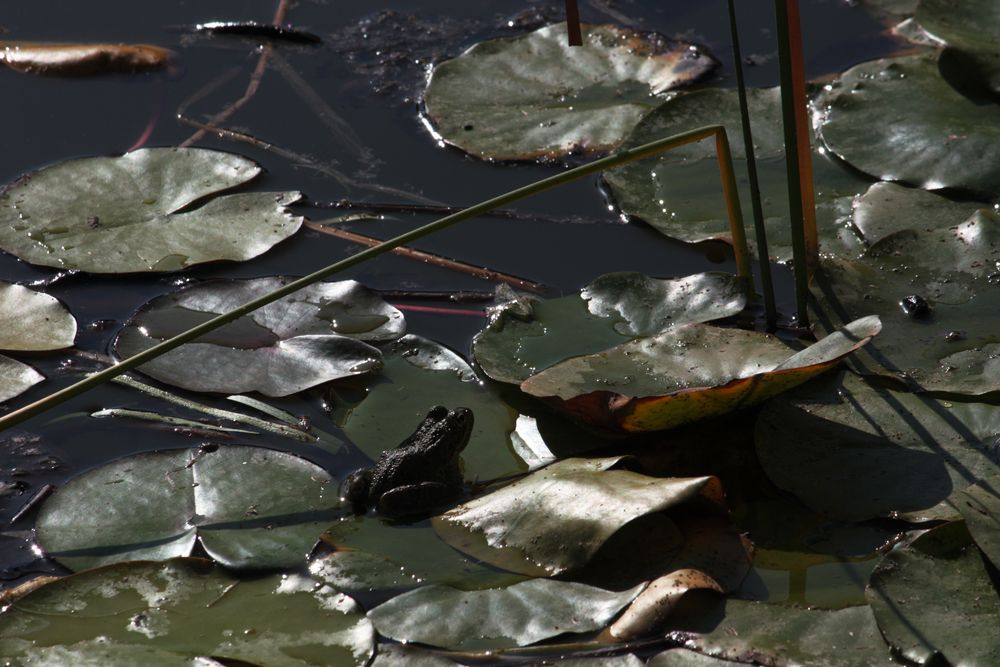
(855, 452)
(525, 338)
(517, 615)
(935, 600)
(189, 608)
(557, 518)
(374, 556)
(687, 373)
(969, 27)
(536, 97)
(16, 378)
(418, 374)
(249, 507)
(980, 507)
(130, 213)
(887, 208)
(894, 10)
(782, 636)
(33, 321)
(899, 120)
(953, 344)
(310, 337)
(679, 192)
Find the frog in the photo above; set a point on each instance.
(419, 474)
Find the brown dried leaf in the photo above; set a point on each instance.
(82, 59)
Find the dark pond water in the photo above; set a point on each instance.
(50, 119)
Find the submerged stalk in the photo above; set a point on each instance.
(743, 269)
(763, 256)
(798, 158)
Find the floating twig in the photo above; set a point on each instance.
(462, 296)
(148, 415)
(252, 86)
(33, 501)
(425, 209)
(439, 311)
(269, 31)
(430, 258)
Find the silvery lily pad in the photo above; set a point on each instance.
(934, 287)
(29, 321)
(899, 120)
(855, 452)
(935, 600)
(526, 337)
(679, 192)
(250, 508)
(687, 373)
(517, 615)
(557, 518)
(186, 607)
(537, 97)
(142, 211)
(312, 336)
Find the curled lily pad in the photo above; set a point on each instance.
(855, 452)
(134, 212)
(557, 518)
(688, 373)
(517, 615)
(773, 634)
(934, 287)
(679, 192)
(899, 120)
(188, 607)
(33, 320)
(536, 97)
(887, 208)
(523, 339)
(418, 374)
(312, 336)
(249, 507)
(935, 600)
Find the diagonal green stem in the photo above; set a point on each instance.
(623, 157)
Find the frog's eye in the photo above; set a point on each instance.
(438, 412)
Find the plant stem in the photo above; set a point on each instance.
(573, 23)
(430, 258)
(618, 159)
(763, 256)
(798, 158)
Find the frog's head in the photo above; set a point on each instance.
(447, 432)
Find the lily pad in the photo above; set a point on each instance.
(32, 320)
(557, 518)
(899, 120)
(134, 212)
(969, 27)
(782, 636)
(249, 507)
(681, 657)
(418, 374)
(312, 336)
(679, 192)
(855, 452)
(688, 373)
(16, 378)
(934, 287)
(935, 600)
(980, 507)
(525, 338)
(187, 607)
(887, 208)
(517, 615)
(374, 556)
(537, 97)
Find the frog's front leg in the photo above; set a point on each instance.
(413, 499)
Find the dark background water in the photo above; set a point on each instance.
(47, 120)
